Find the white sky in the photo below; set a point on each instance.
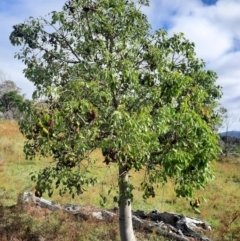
(213, 25)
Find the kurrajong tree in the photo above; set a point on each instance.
(106, 80)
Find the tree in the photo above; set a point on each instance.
(225, 122)
(11, 100)
(108, 82)
(7, 85)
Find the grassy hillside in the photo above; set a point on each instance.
(221, 206)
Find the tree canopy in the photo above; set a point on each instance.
(106, 80)
(11, 100)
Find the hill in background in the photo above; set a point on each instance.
(231, 133)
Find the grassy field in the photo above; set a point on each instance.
(221, 207)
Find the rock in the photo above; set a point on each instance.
(178, 226)
(103, 215)
(71, 208)
(26, 197)
(41, 202)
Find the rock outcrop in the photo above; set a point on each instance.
(175, 226)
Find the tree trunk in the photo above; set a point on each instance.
(125, 210)
(226, 143)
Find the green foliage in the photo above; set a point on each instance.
(10, 100)
(107, 82)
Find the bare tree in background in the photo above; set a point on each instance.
(7, 85)
(226, 122)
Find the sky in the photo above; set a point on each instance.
(213, 25)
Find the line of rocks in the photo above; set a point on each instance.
(170, 225)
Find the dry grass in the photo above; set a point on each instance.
(14, 168)
(221, 208)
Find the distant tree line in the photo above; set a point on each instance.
(231, 139)
(230, 145)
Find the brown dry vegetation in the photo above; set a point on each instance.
(221, 208)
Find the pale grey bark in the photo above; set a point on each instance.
(125, 209)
